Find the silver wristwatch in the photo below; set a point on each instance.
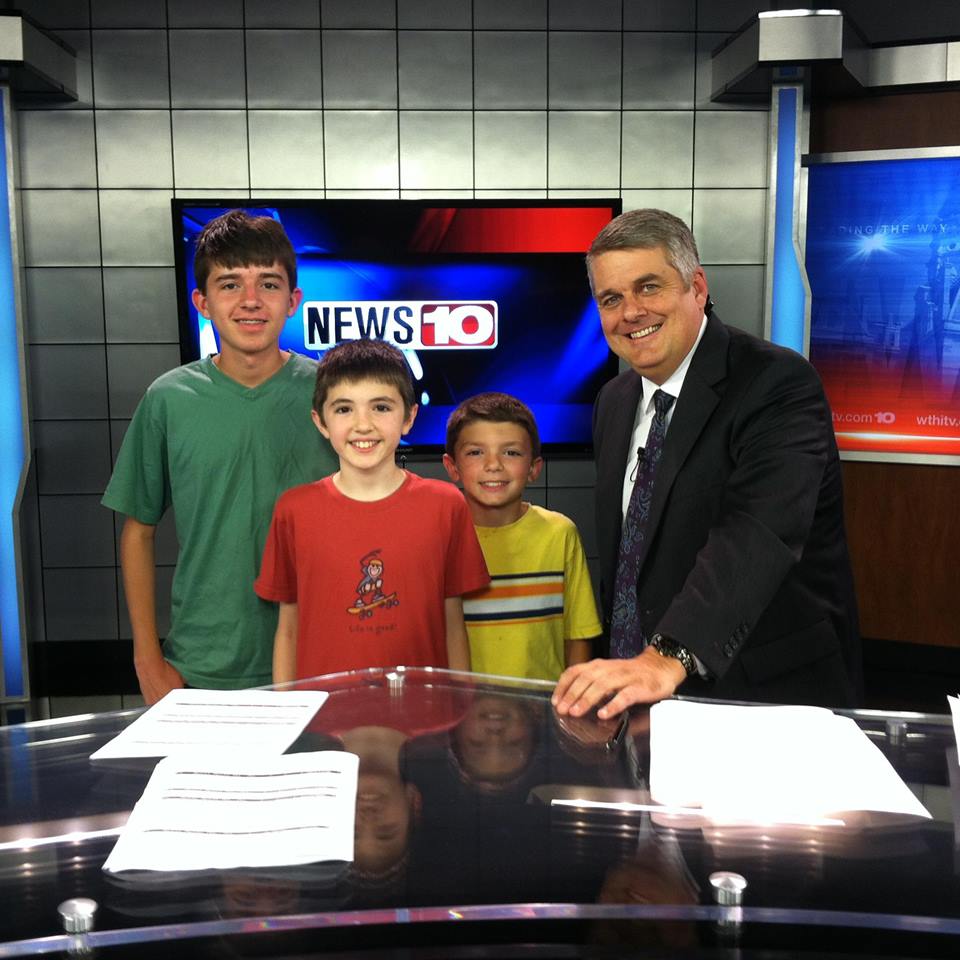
(670, 648)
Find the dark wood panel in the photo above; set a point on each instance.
(903, 526)
(886, 122)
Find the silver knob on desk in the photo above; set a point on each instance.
(728, 888)
(77, 914)
(897, 732)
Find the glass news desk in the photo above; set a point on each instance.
(485, 824)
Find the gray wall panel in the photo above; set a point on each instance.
(510, 14)
(362, 149)
(81, 604)
(76, 531)
(55, 14)
(130, 68)
(510, 70)
(134, 148)
(738, 293)
(359, 69)
(57, 151)
(658, 149)
(660, 14)
(349, 13)
(577, 15)
(584, 150)
(64, 304)
(427, 14)
(123, 13)
(731, 149)
(73, 456)
(436, 149)
(209, 13)
(210, 149)
(136, 228)
(730, 225)
(677, 202)
(207, 68)
(730, 14)
(68, 382)
(140, 305)
(436, 69)
(286, 149)
(584, 71)
(60, 228)
(511, 149)
(571, 473)
(284, 69)
(659, 70)
(282, 13)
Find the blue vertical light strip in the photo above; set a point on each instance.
(12, 448)
(788, 301)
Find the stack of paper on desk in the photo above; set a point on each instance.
(262, 721)
(206, 812)
(769, 764)
(224, 797)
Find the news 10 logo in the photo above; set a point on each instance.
(410, 324)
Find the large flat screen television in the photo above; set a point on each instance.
(883, 261)
(479, 295)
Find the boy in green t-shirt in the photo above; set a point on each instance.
(218, 440)
(538, 616)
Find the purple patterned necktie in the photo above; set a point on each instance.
(626, 634)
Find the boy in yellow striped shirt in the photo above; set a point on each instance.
(538, 616)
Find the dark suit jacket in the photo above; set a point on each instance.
(746, 559)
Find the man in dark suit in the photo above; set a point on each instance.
(744, 590)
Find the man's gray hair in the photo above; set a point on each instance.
(646, 229)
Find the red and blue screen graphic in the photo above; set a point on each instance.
(478, 296)
(883, 261)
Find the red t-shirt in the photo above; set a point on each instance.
(370, 578)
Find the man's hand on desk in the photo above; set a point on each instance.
(644, 679)
(157, 677)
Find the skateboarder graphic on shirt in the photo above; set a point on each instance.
(370, 588)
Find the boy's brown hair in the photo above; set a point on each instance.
(236, 239)
(354, 360)
(492, 408)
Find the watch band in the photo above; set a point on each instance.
(667, 647)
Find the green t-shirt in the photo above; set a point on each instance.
(220, 454)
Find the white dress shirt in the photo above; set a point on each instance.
(645, 411)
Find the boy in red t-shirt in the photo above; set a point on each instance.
(369, 565)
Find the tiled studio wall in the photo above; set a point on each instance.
(336, 98)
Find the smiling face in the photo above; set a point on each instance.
(248, 307)
(386, 809)
(650, 318)
(494, 462)
(364, 421)
(495, 739)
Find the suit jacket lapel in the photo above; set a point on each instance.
(694, 407)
